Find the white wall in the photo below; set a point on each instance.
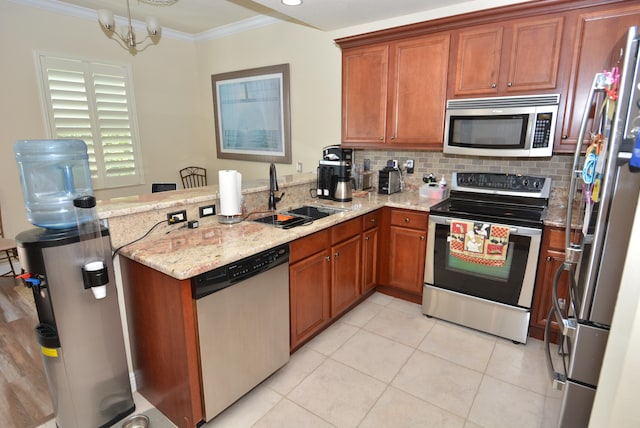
(618, 388)
(164, 86)
(315, 68)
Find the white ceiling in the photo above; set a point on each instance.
(195, 17)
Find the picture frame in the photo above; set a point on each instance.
(252, 114)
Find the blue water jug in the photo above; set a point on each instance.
(52, 174)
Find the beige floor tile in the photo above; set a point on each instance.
(401, 410)
(408, 307)
(332, 338)
(470, 424)
(337, 393)
(301, 363)
(469, 348)
(440, 382)
(248, 410)
(362, 313)
(400, 326)
(374, 355)
(501, 404)
(521, 365)
(287, 414)
(380, 299)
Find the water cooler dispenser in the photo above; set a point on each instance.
(70, 270)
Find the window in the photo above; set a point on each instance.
(93, 101)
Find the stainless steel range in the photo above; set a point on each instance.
(482, 252)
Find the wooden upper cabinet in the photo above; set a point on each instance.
(364, 94)
(521, 56)
(478, 62)
(393, 94)
(599, 35)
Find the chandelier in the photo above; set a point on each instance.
(128, 39)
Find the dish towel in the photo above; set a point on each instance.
(481, 243)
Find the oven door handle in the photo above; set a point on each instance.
(520, 231)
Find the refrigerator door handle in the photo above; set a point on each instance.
(568, 325)
(558, 380)
(574, 250)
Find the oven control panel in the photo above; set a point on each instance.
(492, 182)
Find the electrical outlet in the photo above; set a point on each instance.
(299, 167)
(177, 217)
(207, 210)
(409, 166)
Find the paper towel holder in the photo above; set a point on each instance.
(229, 219)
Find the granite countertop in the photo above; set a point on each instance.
(183, 253)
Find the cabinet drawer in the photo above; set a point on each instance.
(345, 230)
(371, 220)
(309, 245)
(410, 219)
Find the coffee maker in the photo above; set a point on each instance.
(334, 174)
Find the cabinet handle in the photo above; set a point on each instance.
(373, 220)
(422, 238)
(381, 138)
(328, 258)
(510, 84)
(393, 137)
(337, 253)
(406, 220)
(493, 85)
(366, 238)
(565, 137)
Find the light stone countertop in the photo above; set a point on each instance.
(184, 253)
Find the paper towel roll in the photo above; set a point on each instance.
(230, 183)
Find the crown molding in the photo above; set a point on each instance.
(236, 27)
(90, 14)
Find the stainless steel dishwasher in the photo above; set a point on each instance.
(243, 325)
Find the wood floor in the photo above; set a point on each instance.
(24, 396)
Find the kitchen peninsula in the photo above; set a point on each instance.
(162, 314)
(157, 271)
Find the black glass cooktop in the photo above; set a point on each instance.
(497, 198)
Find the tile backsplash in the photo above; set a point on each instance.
(557, 167)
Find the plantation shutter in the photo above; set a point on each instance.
(93, 102)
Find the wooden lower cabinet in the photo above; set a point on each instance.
(161, 316)
(405, 252)
(309, 287)
(345, 274)
(330, 272)
(551, 258)
(370, 248)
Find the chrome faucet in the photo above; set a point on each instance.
(273, 188)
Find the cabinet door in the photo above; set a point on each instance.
(407, 249)
(345, 276)
(549, 263)
(309, 296)
(478, 61)
(369, 259)
(599, 37)
(535, 55)
(417, 91)
(364, 94)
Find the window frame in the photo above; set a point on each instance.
(96, 146)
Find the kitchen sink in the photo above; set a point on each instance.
(298, 216)
(315, 212)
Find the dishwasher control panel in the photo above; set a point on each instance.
(224, 276)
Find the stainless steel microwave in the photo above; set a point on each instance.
(522, 126)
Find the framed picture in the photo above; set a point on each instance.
(252, 114)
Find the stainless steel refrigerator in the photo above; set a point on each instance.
(602, 198)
